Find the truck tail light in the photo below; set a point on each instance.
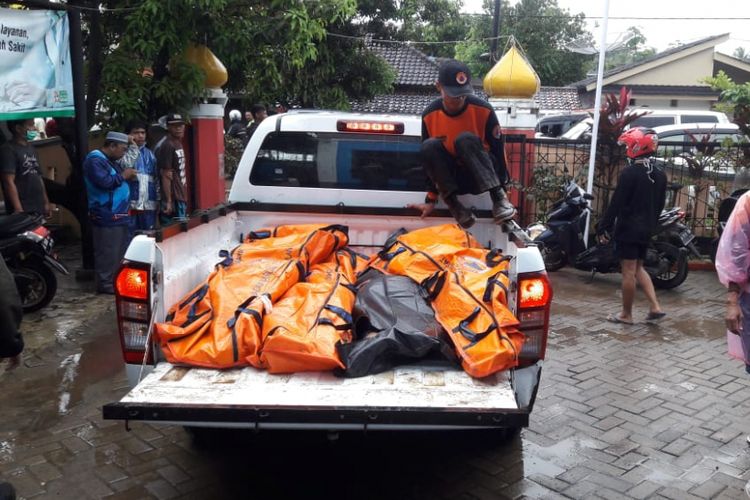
(370, 127)
(534, 300)
(41, 231)
(133, 300)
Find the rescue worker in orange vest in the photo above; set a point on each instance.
(462, 148)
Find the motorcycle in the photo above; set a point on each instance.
(740, 186)
(561, 241)
(26, 247)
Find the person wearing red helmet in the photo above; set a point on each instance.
(633, 214)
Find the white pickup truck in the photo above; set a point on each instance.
(331, 168)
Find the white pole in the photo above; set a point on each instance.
(597, 105)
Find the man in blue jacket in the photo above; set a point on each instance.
(108, 197)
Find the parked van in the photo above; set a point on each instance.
(674, 116)
(654, 118)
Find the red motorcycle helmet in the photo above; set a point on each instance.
(639, 142)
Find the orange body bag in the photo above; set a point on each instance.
(219, 324)
(311, 318)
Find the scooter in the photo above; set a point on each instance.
(561, 241)
(26, 247)
(726, 206)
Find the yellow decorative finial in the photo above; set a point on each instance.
(201, 56)
(512, 76)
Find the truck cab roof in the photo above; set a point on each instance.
(327, 120)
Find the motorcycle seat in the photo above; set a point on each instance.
(11, 225)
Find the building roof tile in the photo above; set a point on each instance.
(413, 102)
(412, 66)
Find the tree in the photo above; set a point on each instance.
(734, 99)
(434, 21)
(415, 21)
(272, 49)
(542, 29)
(633, 50)
(741, 53)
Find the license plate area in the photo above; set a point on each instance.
(686, 236)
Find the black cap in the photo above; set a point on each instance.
(175, 118)
(455, 78)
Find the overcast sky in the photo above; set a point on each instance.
(660, 33)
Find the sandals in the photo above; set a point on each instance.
(655, 316)
(612, 318)
(652, 316)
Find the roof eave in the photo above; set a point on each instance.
(732, 61)
(660, 61)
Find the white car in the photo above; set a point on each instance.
(656, 118)
(679, 145)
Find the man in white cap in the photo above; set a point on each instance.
(108, 199)
(170, 160)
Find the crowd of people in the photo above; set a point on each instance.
(243, 130)
(129, 187)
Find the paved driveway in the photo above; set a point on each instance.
(624, 412)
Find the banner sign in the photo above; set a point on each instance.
(35, 74)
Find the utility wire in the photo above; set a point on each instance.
(409, 42)
(623, 18)
(102, 9)
(71, 6)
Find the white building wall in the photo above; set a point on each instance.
(685, 71)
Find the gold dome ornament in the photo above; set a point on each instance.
(512, 76)
(201, 56)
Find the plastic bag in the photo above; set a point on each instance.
(393, 324)
(219, 324)
(311, 318)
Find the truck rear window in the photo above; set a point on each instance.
(339, 161)
(652, 121)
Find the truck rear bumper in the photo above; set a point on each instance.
(318, 418)
(409, 398)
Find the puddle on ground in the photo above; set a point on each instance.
(65, 373)
(63, 320)
(7, 451)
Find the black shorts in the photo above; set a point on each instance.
(630, 251)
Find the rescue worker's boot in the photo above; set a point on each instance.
(463, 215)
(502, 210)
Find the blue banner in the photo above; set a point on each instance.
(35, 72)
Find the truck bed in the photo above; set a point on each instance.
(412, 397)
(421, 396)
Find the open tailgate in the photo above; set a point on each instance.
(408, 397)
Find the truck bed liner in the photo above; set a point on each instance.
(406, 395)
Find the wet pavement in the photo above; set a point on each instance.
(643, 411)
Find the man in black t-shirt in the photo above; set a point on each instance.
(632, 217)
(20, 175)
(170, 161)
